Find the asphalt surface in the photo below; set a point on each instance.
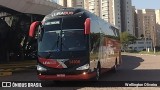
(135, 67)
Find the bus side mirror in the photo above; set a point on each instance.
(87, 26)
(33, 27)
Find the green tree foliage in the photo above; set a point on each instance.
(124, 38)
(127, 39)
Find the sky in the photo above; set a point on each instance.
(146, 4)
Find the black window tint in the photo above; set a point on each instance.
(51, 27)
(73, 23)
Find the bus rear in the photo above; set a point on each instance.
(63, 47)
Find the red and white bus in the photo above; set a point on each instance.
(74, 44)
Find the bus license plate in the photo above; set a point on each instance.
(61, 75)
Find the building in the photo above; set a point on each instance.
(52, 0)
(158, 26)
(71, 3)
(139, 23)
(126, 16)
(93, 6)
(117, 12)
(135, 33)
(142, 44)
(149, 25)
(114, 13)
(109, 10)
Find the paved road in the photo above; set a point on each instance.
(134, 68)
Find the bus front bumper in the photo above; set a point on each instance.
(61, 77)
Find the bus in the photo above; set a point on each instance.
(75, 44)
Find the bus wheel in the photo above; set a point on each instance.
(98, 72)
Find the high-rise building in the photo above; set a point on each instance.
(114, 15)
(149, 25)
(117, 12)
(139, 23)
(158, 26)
(146, 24)
(126, 16)
(71, 3)
(109, 10)
(135, 33)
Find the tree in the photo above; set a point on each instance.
(132, 39)
(142, 36)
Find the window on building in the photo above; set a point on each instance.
(140, 42)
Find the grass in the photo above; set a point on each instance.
(151, 52)
(144, 52)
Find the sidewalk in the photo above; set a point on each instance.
(8, 69)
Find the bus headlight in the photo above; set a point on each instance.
(84, 67)
(40, 68)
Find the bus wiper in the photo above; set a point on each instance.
(56, 44)
(53, 48)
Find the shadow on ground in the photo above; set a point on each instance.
(128, 72)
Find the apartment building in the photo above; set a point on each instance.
(109, 10)
(139, 23)
(126, 16)
(115, 13)
(71, 3)
(157, 12)
(94, 6)
(149, 25)
(135, 32)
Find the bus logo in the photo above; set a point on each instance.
(48, 62)
(74, 61)
(62, 13)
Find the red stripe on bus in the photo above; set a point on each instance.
(50, 63)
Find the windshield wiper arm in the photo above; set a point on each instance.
(52, 49)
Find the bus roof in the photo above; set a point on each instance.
(72, 11)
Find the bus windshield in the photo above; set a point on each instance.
(57, 36)
(73, 40)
